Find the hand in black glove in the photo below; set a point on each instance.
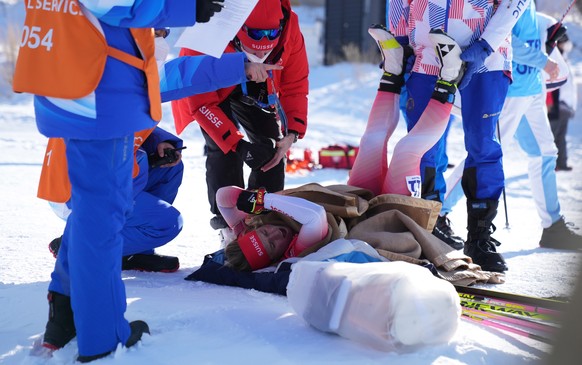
(205, 9)
(255, 155)
(555, 32)
(251, 201)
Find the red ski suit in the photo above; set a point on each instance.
(291, 84)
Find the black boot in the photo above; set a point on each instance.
(138, 328)
(561, 235)
(60, 328)
(217, 222)
(443, 231)
(480, 246)
(55, 245)
(150, 262)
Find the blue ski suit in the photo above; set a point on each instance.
(482, 100)
(98, 132)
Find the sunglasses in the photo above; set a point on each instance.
(258, 34)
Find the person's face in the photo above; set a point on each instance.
(275, 238)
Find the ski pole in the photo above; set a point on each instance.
(572, 2)
(504, 198)
(551, 42)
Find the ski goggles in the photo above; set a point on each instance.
(258, 34)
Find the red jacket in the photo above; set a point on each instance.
(291, 84)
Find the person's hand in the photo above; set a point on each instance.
(254, 155)
(259, 72)
(552, 69)
(205, 9)
(555, 32)
(282, 147)
(161, 152)
(475, 57)
(251, 201)
(409, 59)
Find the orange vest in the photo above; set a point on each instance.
(63, 54)
(54, 184)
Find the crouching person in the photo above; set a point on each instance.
(153, 221)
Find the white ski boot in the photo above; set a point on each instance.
(452, 67)
(391, 50)
(449, 55)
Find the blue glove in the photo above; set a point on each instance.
(409, 56)
(474, 56)
(402, 40)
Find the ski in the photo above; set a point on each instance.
(532, 313)
(508, 304)
(519, 323)
(548, 305)
(38, 350)
(541, 321)
(492, 323)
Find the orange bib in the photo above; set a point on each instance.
(63, 55)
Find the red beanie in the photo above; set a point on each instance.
(254, 250)
(267, 14)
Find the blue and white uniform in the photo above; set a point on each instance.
(98, 132)
(465, 21)
(524, 117)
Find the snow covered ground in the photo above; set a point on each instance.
(200, 323)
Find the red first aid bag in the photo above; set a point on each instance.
(338, 156)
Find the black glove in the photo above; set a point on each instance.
(251, 201)
(255, 155)
(205, 9)
(553, 39)
(170, 156)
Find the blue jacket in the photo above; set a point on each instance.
(119, 105)
(528, 55)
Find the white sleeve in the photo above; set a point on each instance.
(226, 198)
(501, 23)
(312, 216)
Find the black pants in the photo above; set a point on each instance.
(559, 129)
(227, 169)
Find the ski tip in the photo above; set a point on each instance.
(40, 350)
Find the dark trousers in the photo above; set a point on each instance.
(559, 129)
(227, 169)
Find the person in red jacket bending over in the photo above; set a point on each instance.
(273, 114)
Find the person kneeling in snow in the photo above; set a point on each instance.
(153, 222)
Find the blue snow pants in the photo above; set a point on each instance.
(88, 267)
(153, 221)
(482, 101)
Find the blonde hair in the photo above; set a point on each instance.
(235, 257)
